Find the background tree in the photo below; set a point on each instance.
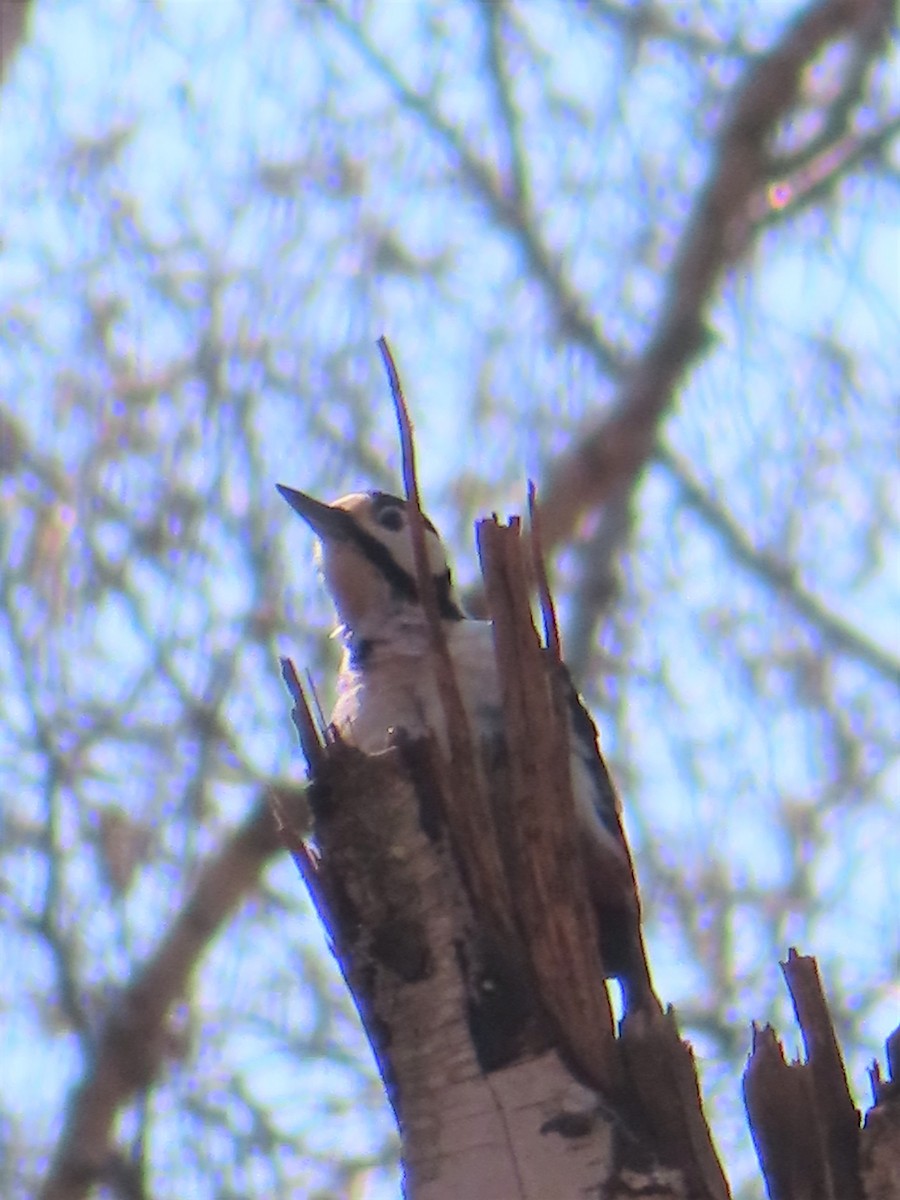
(555, 211)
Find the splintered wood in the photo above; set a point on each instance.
(449, 875)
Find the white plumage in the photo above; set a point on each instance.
(386, 682)
(395, 689)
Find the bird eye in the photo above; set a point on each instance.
(390, 518)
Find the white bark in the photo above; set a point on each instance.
(505, 1136)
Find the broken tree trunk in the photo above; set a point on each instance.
(804, 1122)
(449, 876)
(456, 900)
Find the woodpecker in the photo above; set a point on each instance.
(365, 554)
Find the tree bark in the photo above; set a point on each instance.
(471, 949)
(805, 1125)
(458, 909)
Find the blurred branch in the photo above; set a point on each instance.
(644, 21)
(505, 209)
(837, 120)
(496, 17)
(611, 457)
(781, 576)
(597, 584)
(13, 19)
(131, 1047)
(813, 178)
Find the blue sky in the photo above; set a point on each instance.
(206, 96)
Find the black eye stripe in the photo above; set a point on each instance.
(381, 558)
(400, 580)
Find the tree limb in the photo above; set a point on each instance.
(14, 16)
(131, 1048)
(611, 457)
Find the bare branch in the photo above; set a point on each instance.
(497, 16)
(548, 609)
(815, 178)
(470, 818)
(131, 1050)
(578, 323)
(841, 633)
(611, 458)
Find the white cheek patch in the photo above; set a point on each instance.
(401, 550)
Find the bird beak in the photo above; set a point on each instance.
(323, 519)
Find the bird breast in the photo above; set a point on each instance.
(396, 688)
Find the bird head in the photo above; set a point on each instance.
(366, 556)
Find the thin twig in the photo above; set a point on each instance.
(575, 315)
(500, 78)
(427, 593)
(320, 712)
(469, 813)
(457, 725)
(778, 574)
(310, 742)
(548, 608)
